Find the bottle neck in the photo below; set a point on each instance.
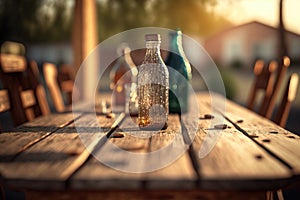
(152, 52)
(176, 44)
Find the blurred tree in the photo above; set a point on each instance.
(192, 16)
(115, 16)
(55, 20)
(34, 20)
(17, 18)
(51, 20)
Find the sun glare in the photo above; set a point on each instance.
(263, 11)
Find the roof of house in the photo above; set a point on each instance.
(249, 24)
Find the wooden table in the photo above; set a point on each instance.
(47, 159)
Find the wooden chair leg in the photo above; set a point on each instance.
(269, 195)
(280, 194)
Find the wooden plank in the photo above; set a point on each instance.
(170, 151)
(226, 158)
(24, 136)
(117, 167)
(102, 171)
(53, 160)
(279, 142)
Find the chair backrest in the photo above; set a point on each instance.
(13, 48)
(264, 83)
(20, 78)
(266, 78)
(39, 89)
(4, 103)
(59, 83)
(66, 81)
(288, 97)
(270, 101)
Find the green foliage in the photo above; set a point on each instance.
(192, 16)
(34, 20)
(51, 20)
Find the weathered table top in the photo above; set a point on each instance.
(252, 153)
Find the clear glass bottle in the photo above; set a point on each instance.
(123, 73)
(178, 93)
(153, 87)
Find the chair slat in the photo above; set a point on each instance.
(39, 89)
(287, 99)
(13, 63)
(59, 82)
(4, 101)
(271, 101)
(264, 82)
(50, 74)
(293, 85)
(269, 79)
(28, 98)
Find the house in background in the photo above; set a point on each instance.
(243, 44)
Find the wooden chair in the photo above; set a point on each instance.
(20, 78)
(288, 97)
(59, 83)
(4, 103)
(264, 83)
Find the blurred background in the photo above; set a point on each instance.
(235, 33)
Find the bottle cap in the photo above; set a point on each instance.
(176, 32)
(152, 37)
(179, 32)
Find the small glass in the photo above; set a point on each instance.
(131, 100)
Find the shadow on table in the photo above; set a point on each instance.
(58, 130)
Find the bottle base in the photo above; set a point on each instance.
(154, 127)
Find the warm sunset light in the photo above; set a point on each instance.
(267, 11)
(149, 99)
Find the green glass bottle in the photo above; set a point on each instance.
(178, 93)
